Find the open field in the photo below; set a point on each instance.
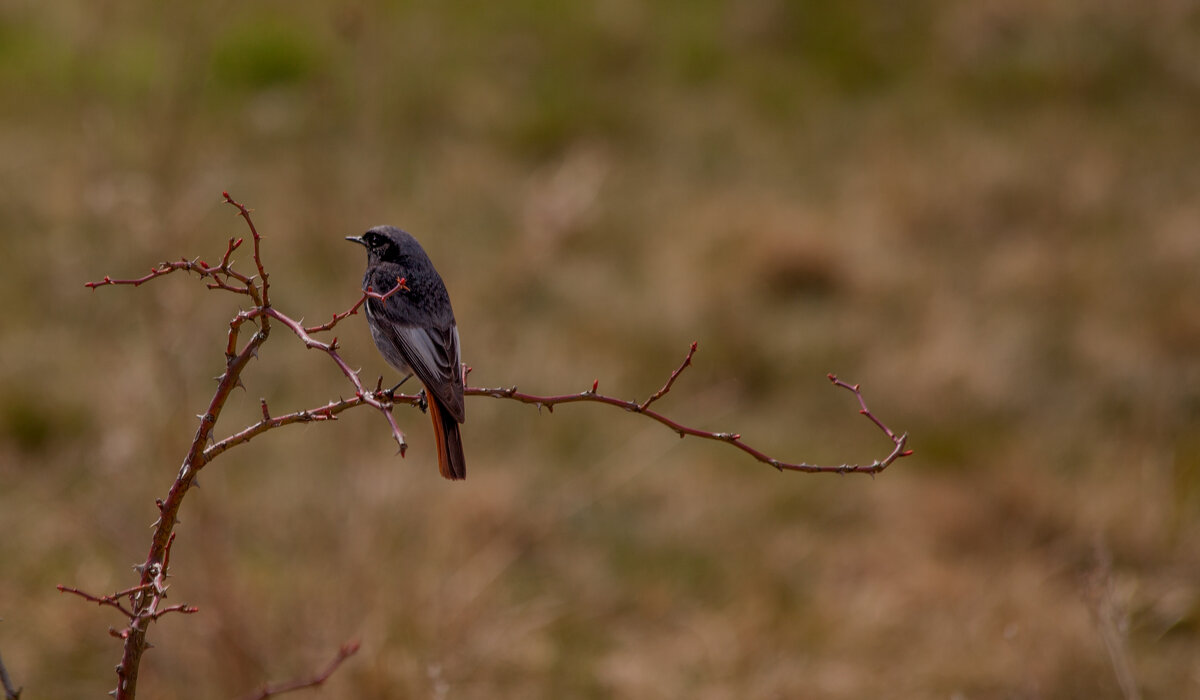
(986, 213)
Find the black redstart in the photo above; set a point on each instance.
(415, 330)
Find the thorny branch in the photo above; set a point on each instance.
(139, 611)
(142, 604)
(899, 441)
(112, 600)
(401, 286)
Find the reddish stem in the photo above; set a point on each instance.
(401, 285)
(110, 601)
(735, 439)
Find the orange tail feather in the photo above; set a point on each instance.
(451, 461)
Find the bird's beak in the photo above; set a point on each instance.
(357, 239)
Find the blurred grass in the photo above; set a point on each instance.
(984, 213)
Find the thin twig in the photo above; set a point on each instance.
(218, 275)
(101, 600)
(360, 392)
(401, 285)
(329, 411)
(348, 649)
(687, 361)
(131, 591)
(264, 283)
(899, 441)
(181, 608)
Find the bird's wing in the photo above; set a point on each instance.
(433, 355)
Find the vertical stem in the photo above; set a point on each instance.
(145, 601)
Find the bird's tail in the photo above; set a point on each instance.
(451, 462)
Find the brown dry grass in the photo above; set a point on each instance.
(986, 214)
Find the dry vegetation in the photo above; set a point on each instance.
(984, 212)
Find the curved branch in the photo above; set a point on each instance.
(899, 441)
(329, 411)
(264, 284)
(383, 405)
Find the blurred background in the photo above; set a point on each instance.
(984, 212)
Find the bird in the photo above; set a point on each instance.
(415, 331)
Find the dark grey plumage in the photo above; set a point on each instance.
(415, 331)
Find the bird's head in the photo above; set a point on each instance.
(386, 244)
